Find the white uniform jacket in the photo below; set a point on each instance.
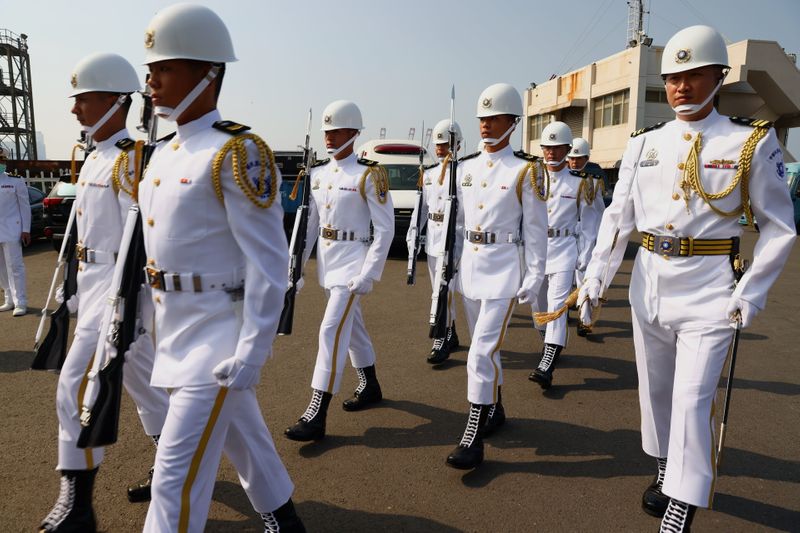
(496, 195)
(101, 207)
(345, 197)
(566, 209)
(697, 287)
(434, 199)
(189, 230)
(15, 208)
(591, 216)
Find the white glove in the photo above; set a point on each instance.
(360, 285)
(236, 375)
(526, 294)
(300, 283)
(591, 290)
(586, 314)
(72, 303)
(60, 294)
(747, 310)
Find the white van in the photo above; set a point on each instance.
(400, 158)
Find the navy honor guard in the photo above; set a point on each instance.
(435, 186)
(348, 195)
(216, 263)
(569, 222)
(101, 86)
(15, 231)
(683, 184)
(500, 213)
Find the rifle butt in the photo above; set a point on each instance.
(439, 326)
(287, 314)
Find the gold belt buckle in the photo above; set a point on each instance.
(477, 238)
(155, 278)
(665, 245)
(80, 252)
(329, 233)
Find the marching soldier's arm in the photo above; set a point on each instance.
(312, 228)
(587, 224)
(774, 213)
(534, 234)
(423, 216)
(24, 205)
(381, 212)
(610, 246)
(258, 232)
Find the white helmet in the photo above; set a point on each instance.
(342, 114)
(556, 134)
(694, 47)
(580, 148)
(499, 99)
(441, 132)
(108, 73)
(188, 31)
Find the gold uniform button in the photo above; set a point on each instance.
(158, 299)
(483, 184)
(327, 243)
(80, 268)
(80, 212)
(687, 136)
(150, 222)
(489, 164)
(175, 146)
(676, 196)
(151, 261)
(480, 206)
(477, 228)
(327, 206)
(549, 210)
(475, 248)
(156, 182)
(336, 169)
(681, 166)
(670, 227)
(94, 156)
(330, 187)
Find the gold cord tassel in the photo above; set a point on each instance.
(544, 317)
(138, 153)
(73, 165)
(293, 194)
(446, 162)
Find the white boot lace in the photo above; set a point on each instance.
(438, 344)
(675, 518)
(362, 381)
(547, 357)
(472, 426)
(271, 524)
(63, 506)
(662, 470)
(313, 406)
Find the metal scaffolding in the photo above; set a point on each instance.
(17, 125)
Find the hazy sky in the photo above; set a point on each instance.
(396, 60)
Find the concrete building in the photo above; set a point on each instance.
(605, 101)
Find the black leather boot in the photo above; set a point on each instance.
(73, 512)
(284, 519)
(678, 518)
(469, 452)
(543, 374)
(311, 425)
(367, 392)
(439, 351)
(654, 502)
(452, 338)
(496, 417)
(583, 330)
(140, 491)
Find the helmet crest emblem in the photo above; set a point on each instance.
(74, 81)
(487, 103)
(683, 55)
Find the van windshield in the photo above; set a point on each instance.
(402, 177)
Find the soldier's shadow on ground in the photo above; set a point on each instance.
(318, 516)
(15, 361)
(761, 513)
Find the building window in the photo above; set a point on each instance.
(611, 109)
(537, 124)
(656, 96)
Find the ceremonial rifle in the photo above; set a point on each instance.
(445, 261)
(51, 352)
(297, 246)
(411, 271)
(101, 405)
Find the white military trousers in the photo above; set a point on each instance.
(202, 423)
(12, 273)
(487, 321)
(342, 332)
(451, 302)
(554, 290)
(679, 370)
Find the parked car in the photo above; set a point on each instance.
(36, 198)
(57, 205)
(400, 158)
(793, 182)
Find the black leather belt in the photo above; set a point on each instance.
(687, 246)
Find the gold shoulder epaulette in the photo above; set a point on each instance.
(470, 156)
(752, 122)
(380, 181)
(321, 162)
(167, 137)
(584, 174)
(525, 155)
(648, 128)
(125, 144)
(230, 127)
(261, 189)
(428, 167)
(366, 162)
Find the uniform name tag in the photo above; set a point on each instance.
(7, 187)
(101, 185)
(349, 189)
(649, 163)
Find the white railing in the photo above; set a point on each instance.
(44, 181)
